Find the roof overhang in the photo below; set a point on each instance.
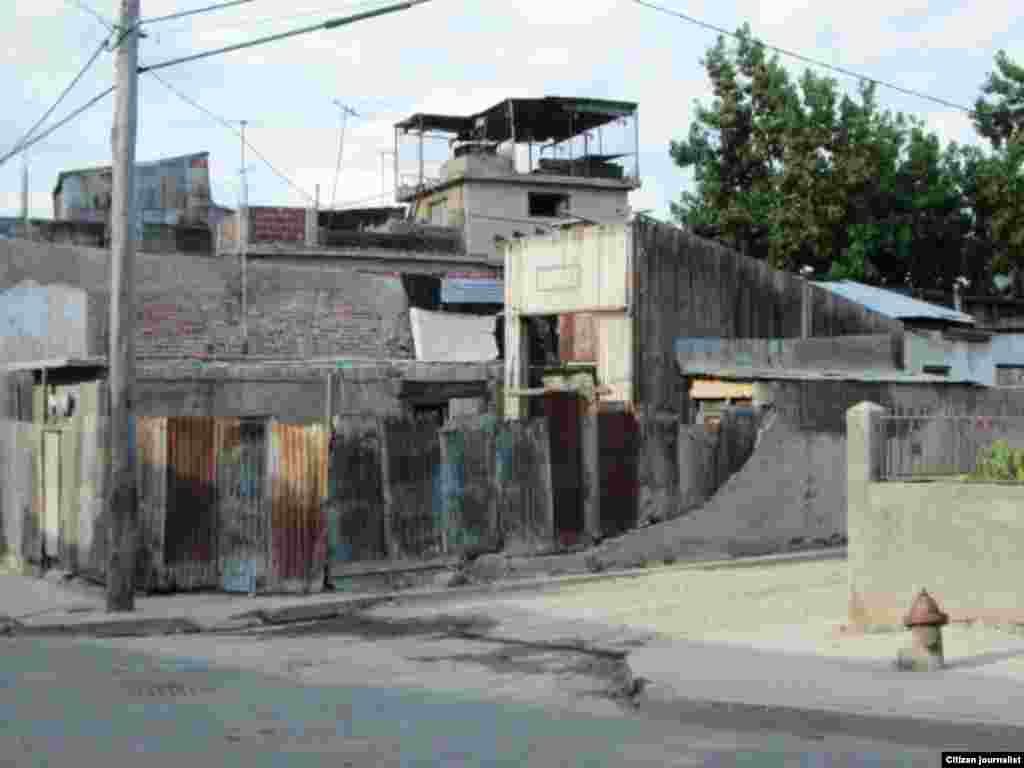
(551, 118)
(53, 363)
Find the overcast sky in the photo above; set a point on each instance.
(448, 56)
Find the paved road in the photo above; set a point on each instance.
(90, 703)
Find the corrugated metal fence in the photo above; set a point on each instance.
(403, 489)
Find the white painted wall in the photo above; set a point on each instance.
(973, 361)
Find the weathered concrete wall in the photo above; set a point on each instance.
(690, 287)
(876, 352)
(511, 203)
(191, 305)
(961, 541)
(707, 459)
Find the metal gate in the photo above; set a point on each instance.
(241, 470)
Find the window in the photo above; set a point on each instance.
(548, 205)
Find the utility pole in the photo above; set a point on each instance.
(122, 489)
(243, 236)
(345, 112)
(24, 191)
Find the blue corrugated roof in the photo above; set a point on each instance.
(472, 291)
(892, 304)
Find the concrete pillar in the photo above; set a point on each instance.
(590, 459)
(863, 466)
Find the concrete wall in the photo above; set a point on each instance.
(190, 305)
(511, 201)
(960, 541)
(973, 360)
(299, 393)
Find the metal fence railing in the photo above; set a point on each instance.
(920, 447)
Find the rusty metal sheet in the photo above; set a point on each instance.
(190, 531)
(242, 515)
(468, 490)
(298, 490)
(151, 473)
(356, 509)
(618, 442)
(413, 472)
(525, 508)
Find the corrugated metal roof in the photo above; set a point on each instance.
(892, 304)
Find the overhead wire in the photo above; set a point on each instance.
(183, 14)
(60, 98)
(227, 124)
(808, 59)
(36, 139)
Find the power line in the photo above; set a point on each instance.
(808, 60)
(285, 17)
(60, 98)
(327, 25)
(227, 124)
(102, 20)
(183, 14)
(96, 99)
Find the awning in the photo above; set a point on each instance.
(472, 291)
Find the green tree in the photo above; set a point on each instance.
(796, 173)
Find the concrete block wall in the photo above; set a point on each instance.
(191, 304)
(960, 541)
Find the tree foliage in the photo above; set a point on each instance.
(799, 174)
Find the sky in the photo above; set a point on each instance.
(446, 56)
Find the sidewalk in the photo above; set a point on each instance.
(50, 605)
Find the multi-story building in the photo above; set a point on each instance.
(520, 168)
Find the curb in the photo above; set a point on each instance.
(323, 611)
(654, 701)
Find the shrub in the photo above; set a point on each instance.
(999, 462)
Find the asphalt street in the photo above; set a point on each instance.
(108, 703)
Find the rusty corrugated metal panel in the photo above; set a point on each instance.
(242, 512)
(190, 531)
(298, 488)
(151, 439)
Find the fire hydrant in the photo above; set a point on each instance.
(925, 621)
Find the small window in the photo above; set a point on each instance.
(548, 205)
(937, 370)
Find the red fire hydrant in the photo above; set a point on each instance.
(925, 621)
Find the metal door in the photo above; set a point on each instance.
(242, 513)
(563, 413)
(51, 495)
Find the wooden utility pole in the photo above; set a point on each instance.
(122, 490)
